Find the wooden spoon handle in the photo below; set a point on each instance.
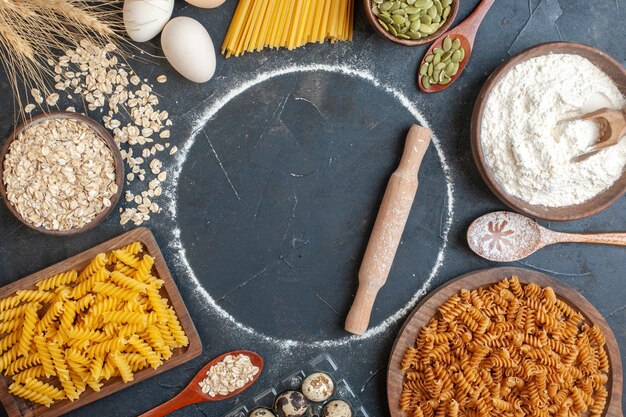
(599, 238)
(181, 400)
(385, 238)
(473, 21)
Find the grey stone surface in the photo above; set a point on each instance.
(280, 189)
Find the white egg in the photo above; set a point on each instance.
(144, 19)
(206, 4)
(189, 49)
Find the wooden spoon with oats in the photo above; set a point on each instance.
(193, 393)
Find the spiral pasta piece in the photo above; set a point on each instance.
(33, 372)
(28, 330)
(146, 351)
(62, 371)
(43, 388)
(57, 280)
(123, 367)
(20, 390)
(143, 268)
(115, 291)
(35, 295)
(127, 282)
(94, 266)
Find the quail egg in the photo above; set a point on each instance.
(336, 408)
(291, 404)
(318, 387)
(261, 412)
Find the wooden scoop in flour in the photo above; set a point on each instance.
(392, 216)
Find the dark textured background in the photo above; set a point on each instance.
(308, 156)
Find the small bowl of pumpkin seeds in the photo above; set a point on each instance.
(411, 22)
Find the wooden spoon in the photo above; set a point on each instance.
(503, 236)
(390, 221)
(466, 32)
(612, 125)
(192, 394)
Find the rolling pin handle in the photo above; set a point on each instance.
(359, 316)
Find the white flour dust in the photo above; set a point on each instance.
(210, 112)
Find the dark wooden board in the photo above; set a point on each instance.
(18, 407)
(427, 308)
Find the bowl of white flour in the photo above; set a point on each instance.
(522, 151)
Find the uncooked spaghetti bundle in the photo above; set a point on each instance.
(258, 24)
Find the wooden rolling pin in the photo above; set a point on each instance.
(392, 216)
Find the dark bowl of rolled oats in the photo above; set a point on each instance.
(61, 173)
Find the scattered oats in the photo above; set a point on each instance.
(155, 166)
(162, 79)
(29, 108)
(130, 111)
(71, 109)
(173, 150)
(162, 176)
(52, 99)
(59, 174)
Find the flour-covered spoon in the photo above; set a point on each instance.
(503, 236)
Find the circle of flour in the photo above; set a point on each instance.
(211, 112)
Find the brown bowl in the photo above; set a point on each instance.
(371, 17)
(610, 67)
(104, 134)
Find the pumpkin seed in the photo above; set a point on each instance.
(462, 54)
(440, 66)
(428, 29)
(430, 70)
(383, 24)
(437, 19)
(403, 36)
(396, 6)
(446, 12)
(446, 3)
(432, 12)
(456, 44)
(456, 56)
(425, 82)
(412, 10)
(436, 74)
(414, 17)
(414, 36)
(415, 26)
(438, 51)
(385, 19)
(446, 56)
(438, 6)
(445, 81)
(400, 12)
(447, 44)
(378, 1)
(397, 19)
(424, 68)
(393, 31)
(426, 19)
(386, 6)
(429, 58)
(436, 60)
(450, 69)
(423, 4)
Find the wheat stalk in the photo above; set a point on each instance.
(34, 33)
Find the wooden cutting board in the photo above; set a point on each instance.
(18, 407)
(427, 308)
